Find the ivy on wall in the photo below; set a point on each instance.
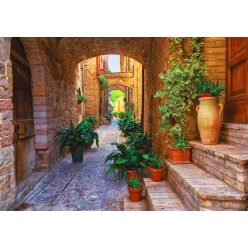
(184, 65)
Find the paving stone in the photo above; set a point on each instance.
(82, 186)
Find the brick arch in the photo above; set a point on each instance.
(40, 79)
(79, 49)
(118, 87)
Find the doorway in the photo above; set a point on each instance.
(22, 112)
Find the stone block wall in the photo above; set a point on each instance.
(92, 88)
(7, 173)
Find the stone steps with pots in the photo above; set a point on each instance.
(161, 197)
(200, 190)
(235, 134)
(227, 162)
(135, 206)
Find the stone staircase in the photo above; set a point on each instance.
(217, 178)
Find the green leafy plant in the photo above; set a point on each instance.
(134, 183)
(209, 87)
(152, 161)
(180, 142)
(124, 158)
(72, 136)
(87, 128)
(80, 97)
(139, 141)
(103, 82)
(131, 126)
(92, 120)
(180, 90)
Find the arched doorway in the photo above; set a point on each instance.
(24, 148)
(117, 100)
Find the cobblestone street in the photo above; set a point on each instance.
(82, 186)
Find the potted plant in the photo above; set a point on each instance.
(74, 138)
(135, 189)
(94, 122)
(126, 161)
(141, 141)
(80, 98)
(87, 128)
(209, 116)
(155, 166)
(179, 150)
(103, 82)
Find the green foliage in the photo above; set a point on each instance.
(139, 141)
(180, 89)
(103, 82)
(214, 89)
(80, 97)
(152, 161)
(180, 142)
(115, 94)
(72, 136)
(124, 158)
(87, 128)
(118, 114)
(92, 120)
(134, 183)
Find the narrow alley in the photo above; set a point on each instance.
(81, 186)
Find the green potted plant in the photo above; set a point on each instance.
(91, 119)
(209, 116)
(141, 141)
(87, 128)
(180, 91)
(154, 164)
(80, 98)
(179, 149)
(135, 189)
(126, 161)
(74, 138)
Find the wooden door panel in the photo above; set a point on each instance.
(237, 80)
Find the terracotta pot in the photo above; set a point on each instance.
(135, 174)
(135, 194)
(209, 120)
(205, 95)
(156, 174)
(79, 101)
(178, 156)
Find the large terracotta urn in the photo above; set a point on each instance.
(209, 120)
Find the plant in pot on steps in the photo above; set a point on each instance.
(179, 148)
(135, 189)
(74, 138)
(80, 98)
(154, 164)
(180, 91)
(209, 111)
(126, 160)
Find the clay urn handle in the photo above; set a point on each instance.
(197, 108)
(221, 108)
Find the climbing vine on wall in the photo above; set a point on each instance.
(179, 89)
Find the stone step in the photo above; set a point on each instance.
(227, 162)
(201, 191)
(135, 206)
(161, 197)
(235, 134)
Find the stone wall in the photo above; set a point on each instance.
(92, 88)
(7, 173)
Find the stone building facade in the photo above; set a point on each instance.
(56, 71)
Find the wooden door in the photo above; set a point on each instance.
(23, 112)
(236, 106)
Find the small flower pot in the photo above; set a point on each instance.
(77, 155)
(79, 101)
(178, 156)
(156, 174)
(135, 194)
(134, 174)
